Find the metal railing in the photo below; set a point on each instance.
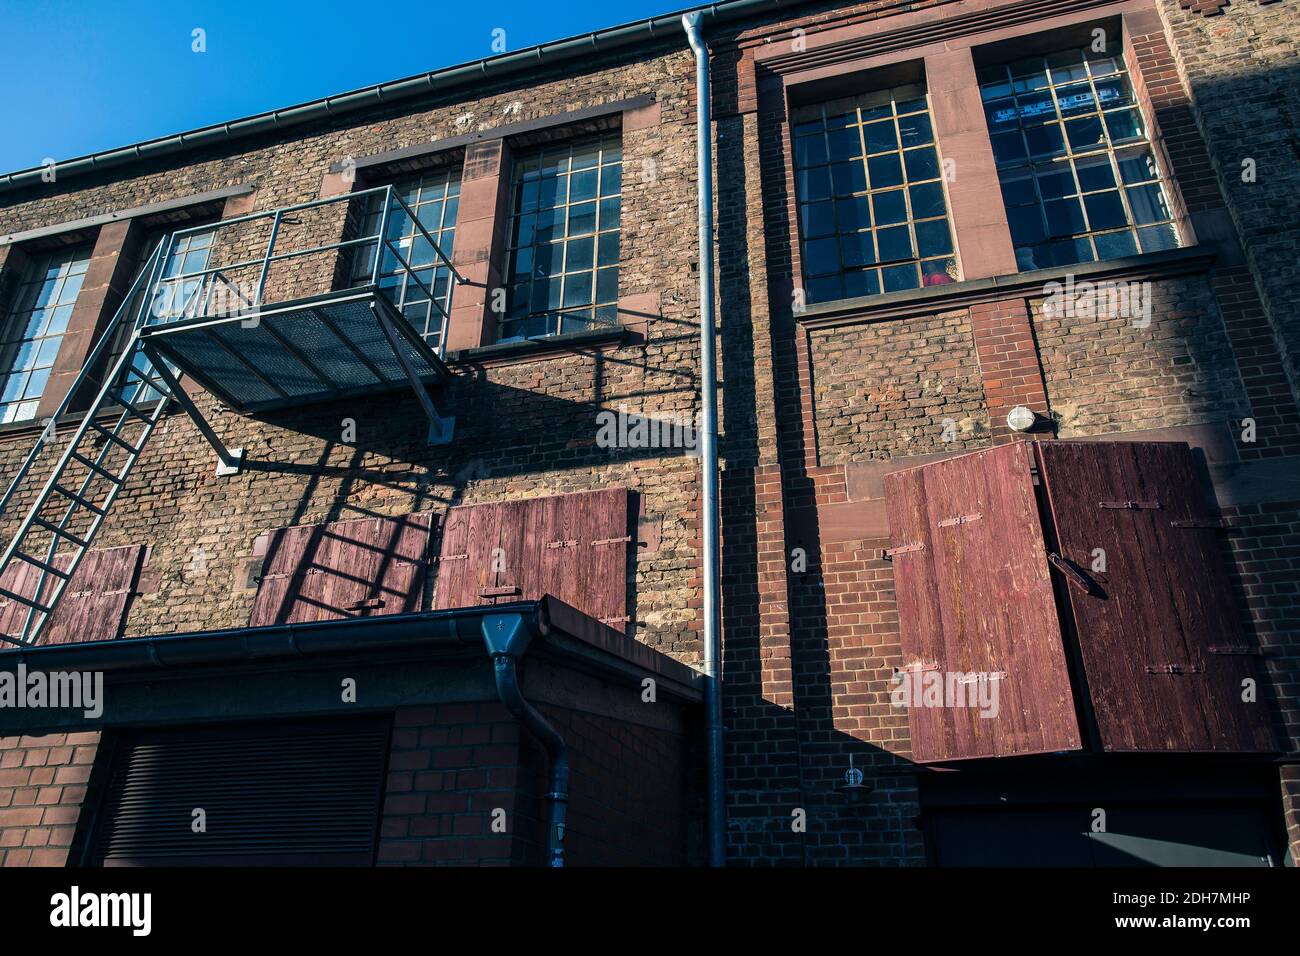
(198, 287)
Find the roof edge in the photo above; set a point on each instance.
(502, 65)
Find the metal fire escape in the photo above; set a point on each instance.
(250, 352)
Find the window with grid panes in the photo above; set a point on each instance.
(562, 272)
(434, 197)
(185, 290)
(1078, 174)
(873, 216)
(41, 308)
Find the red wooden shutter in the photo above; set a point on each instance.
(360, 568)
(93, 604)
(572, 547)
(1160, 636)
(976, 598)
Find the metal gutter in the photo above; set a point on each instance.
(459, 626)
(382, 94)
(717, 810)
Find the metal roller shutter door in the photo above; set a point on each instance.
(272, 794)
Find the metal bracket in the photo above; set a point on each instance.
(441, 428)
(1174, 670)
(1072, 574)
(918, 667)
(888, 553)
(1235, 650)
(1130, 505)
(229, 460)
(1215, 524)
(960, 520)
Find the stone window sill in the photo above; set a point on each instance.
(960, 294)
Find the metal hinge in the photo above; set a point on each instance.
(960, 520)
(1235, 650)
(976, 678)
(1174, 670)
(623, 540)
(888, 553)
(917, 667)
(504, 591)
(1130, 505)
(551, 545)
(453, 557)
(368, 604)
(1216, 524)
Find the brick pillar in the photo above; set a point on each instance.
(979, 217)
(1009, 364)
(480, 242)
(108, 279)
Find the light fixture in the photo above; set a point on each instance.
(853, 788)
(1021, 419)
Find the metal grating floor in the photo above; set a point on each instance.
(296, 353)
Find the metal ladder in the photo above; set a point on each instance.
(62, 521)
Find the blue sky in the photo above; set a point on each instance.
(88, 75)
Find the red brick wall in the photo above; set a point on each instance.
(452, 765)
(42, 785)
(628, 794)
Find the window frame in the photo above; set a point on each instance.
(22, 303)
(360, 267)
(890, 92)
(525, 161)
(1143, 146)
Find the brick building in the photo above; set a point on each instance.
(1008, 399)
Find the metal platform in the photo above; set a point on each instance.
(317, 349)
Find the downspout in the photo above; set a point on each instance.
(507, 637)
(717, 810)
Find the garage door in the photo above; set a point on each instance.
(244, 795)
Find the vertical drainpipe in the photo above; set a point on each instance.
(709, 448)
(506, 637)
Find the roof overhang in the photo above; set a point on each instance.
(559, 633)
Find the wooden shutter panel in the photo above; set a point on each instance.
(976, 597)
(94, 603)
(359, 568)
(272, 794)
(1160, 636)
(572, 547)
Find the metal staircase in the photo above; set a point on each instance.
(318, 348)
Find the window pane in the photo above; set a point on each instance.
(883, 202)
(1068, 209)
(927, 201)
(40, 308)
(434, 199)
(564, 263)
(853, 214)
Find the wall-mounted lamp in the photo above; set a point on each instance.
(1022, 419)
(854, 790)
